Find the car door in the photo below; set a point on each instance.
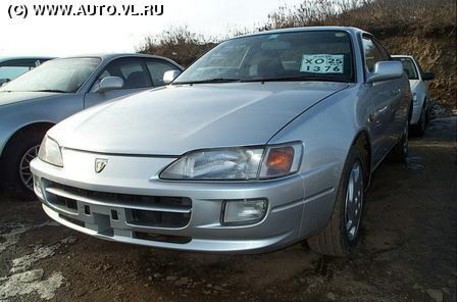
(422, 92)
(386, 96)
(134, 73)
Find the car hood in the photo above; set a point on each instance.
(178, 119)
(7, 98)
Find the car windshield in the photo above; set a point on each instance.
(60, 75)
(288, 56)
(408, 67)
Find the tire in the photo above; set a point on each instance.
(341, 235)
(17, 177)
(400, 150)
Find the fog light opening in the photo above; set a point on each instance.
(242, 212)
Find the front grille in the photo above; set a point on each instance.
(156, 218)
(66, 202)
(140, 210)
(116, 198)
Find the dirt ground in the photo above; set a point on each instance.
(408, 250)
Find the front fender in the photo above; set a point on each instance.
(17, 116)
(328, 131)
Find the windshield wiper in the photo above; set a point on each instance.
(208, 81)
(301, 78)
(51, 90)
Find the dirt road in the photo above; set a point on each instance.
(408, 250)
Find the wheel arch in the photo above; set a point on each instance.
(331, 239)
(34, 127)
(363, 143)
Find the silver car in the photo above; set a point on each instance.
(37, 100)
(12, 67)
(419, 88)
(266, 140)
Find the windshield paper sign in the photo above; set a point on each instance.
(322, 63)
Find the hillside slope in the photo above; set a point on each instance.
(426, 29)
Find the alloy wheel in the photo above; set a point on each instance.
(354, 201)
(24, 167)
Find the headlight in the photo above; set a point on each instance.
(236, 163)
(50, 152)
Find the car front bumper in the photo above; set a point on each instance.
(127, 202)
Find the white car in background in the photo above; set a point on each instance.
(419, 88)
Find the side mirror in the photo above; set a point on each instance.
(109, 83)
(427, 76)
(385, 70)
(170, 75)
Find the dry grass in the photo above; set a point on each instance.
(382, 17)
(179, 44)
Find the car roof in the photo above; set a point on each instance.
(10, 58)
(112, 56)
(349, 29)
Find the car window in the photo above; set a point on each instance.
(421, 71)
(130, 70)
(13, 68)
(288, 56)
(408, 67)
(7, 73)
(156, 69)
(373, 53)
(59, 75)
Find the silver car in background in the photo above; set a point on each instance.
(419, 88)
(12, 67)
(37, 100)
(266, 140)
